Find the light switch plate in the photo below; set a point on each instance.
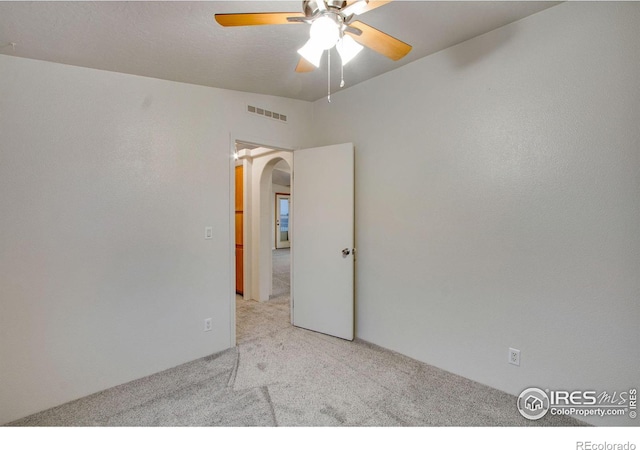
(208, 233)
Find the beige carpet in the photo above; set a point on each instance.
(286, 376)
(281, 272)
(314, 379)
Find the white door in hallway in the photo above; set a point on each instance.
(322, 238)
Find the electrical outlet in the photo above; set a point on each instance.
(208, 324)
(514, 356)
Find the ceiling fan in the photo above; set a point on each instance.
(332, 24)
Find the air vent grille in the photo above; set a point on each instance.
(282, 118)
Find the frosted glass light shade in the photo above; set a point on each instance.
(348, 48)
(311, 52)
(324, 32)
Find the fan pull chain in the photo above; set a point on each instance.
(329, 76)
(341, 75)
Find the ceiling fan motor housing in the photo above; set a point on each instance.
(311, 8)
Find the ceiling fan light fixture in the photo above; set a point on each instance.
(311, 52)
(348, 48)
(324, 32)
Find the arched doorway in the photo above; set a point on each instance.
(259, 164)
(314, 242)
(262, 263)
(280, 233)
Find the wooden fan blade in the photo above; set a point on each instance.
(373, 4)
(380, 42)
(304, 66)
(248, 19)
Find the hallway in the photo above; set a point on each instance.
(281, 267)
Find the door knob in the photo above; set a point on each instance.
(345, 252)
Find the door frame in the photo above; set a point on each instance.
(249, 243)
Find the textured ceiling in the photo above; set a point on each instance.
(181, 41)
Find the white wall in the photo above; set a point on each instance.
(502, 178)
(107, 182)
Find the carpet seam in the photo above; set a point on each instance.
(265, 392)
(232, 377)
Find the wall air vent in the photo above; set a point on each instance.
(282, 118)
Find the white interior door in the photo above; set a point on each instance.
(322, 240)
